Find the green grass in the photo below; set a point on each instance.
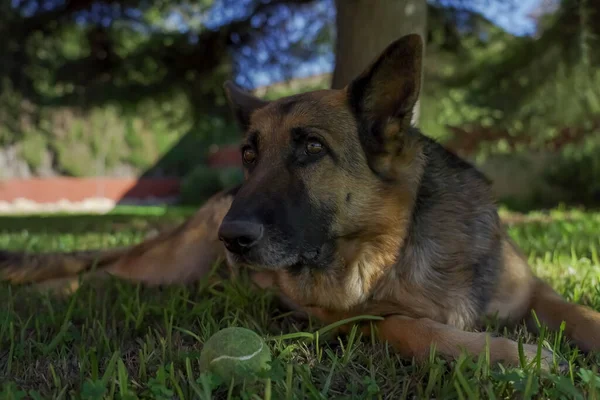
(125, 341)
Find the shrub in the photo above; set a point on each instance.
(229, 177)
(33, 149)
(203, 182)
(576, 171)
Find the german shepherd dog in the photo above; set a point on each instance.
(346, 209)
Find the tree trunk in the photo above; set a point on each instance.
(366, 27)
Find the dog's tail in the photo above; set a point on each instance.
(180, 255)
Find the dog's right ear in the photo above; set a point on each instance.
(242, 103)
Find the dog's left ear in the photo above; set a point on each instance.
(384, 95)
(242, 103)
(389, 87)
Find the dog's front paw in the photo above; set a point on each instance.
(547, 358)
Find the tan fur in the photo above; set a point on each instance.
(418, 337)
(582, 323)
(515, 290)
(180, 256)
(177, 256)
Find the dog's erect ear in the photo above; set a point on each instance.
(383, 98)
(242, 103)
(389, 87)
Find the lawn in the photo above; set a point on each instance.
(125, 341)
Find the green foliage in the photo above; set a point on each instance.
(110, 99)
(230, 177)
(203, 182)
(119, 99)
(296, 86)
(159, 134)
(576, 171)
(120, 340)
(530, 90)
(142, 150)
(199, 185)
(12, 114)
(33, 148)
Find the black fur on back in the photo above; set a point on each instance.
(454, 244)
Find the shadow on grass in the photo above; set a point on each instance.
(121, 218)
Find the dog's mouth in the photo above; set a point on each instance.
(277, 261)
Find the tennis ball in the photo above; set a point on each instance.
(237, 353)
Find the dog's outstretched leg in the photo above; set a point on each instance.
(181, 255)
(414, 338)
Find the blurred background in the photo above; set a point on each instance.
(132, 89)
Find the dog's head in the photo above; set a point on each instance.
(327, 170)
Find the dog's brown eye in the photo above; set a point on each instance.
(314, 147)
(249, 156)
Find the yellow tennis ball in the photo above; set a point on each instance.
(237, 353)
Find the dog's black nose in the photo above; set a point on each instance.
(239, 236)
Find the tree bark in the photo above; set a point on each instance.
(366, 27)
